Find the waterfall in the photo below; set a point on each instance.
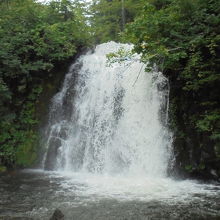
(105, 120)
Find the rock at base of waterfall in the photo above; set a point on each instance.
(57, 215)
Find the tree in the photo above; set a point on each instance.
(108, 18)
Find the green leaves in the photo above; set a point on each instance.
(33, 38)
(107, 18)
(119, 56)
(209, 121)
(183, 35)
(26, 153)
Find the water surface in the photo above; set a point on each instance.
(36, 194)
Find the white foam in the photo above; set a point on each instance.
(96, 187)
(115, 124)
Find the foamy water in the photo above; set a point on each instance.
(110, 119)
(135, 188)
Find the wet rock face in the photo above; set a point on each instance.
(60, 112)
(54, 145)
(57, 215)
(194, 150)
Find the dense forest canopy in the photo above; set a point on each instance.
(108, 18)
(180, 36)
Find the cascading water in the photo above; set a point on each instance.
(110, 120)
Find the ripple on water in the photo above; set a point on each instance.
(84, 196)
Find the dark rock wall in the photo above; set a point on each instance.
(196, 153)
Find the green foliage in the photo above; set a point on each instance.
(209, 121)
(189, 168)
(107, 17)
(182, 37)
(33, 38)
(2, 169)
(26, 154)
(119, 56)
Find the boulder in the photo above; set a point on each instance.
(57, 215)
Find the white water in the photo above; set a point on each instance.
(107, 131)
(115, 126)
